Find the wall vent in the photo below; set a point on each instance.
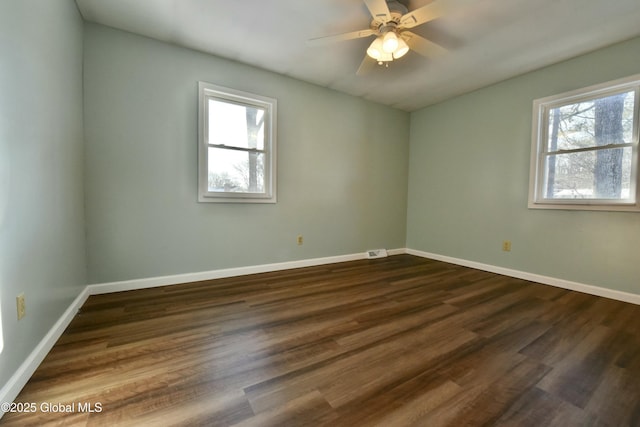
(377, 253)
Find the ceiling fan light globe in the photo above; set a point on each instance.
(373, 53)
(402, 49)
(390, 42)
(375, 49)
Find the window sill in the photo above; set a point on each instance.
(586, 207)
(225, 199)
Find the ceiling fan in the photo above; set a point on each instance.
(390, 24)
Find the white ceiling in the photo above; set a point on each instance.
(487, 40)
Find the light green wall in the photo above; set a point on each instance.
(41, 160)
(342, 166)
(469, 177)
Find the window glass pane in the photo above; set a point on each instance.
(235, 171)
(595, 122)
(235, 125)
(598, 174)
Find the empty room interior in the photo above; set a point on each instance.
(283, 213)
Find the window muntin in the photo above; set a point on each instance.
(585, 148)
(236, 146)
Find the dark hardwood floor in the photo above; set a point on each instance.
(390, 342)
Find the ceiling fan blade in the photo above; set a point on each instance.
(423, 14)
(379, 9)
(422, 46)
(366, 66)
(341, 37)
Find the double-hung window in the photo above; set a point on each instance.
(585, 148)
(236, 146)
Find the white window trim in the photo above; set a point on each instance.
(207, 91)
(539, 133)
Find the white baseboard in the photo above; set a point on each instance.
(546, 280)
(18, 380)
(152, 282)
(399, 251)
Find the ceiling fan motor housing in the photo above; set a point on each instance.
(396, 10)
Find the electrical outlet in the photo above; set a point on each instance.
(506, 246)
(21, 306)
(300, 240)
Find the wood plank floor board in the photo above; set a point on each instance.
(536, 408)
(399, 341)
(578, 375)
(627, 388)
